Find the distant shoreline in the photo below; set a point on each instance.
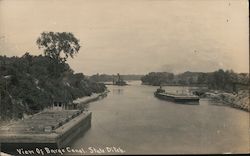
(179, 85)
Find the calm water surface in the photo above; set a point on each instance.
(131, 117)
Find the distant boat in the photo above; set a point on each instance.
(119, 81)
(178, 98)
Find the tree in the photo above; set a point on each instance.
(202, 78)
(58, 45)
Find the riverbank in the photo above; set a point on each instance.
(176, 84)
(81, 103)
(239, 101)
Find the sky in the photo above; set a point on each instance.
(134, 36)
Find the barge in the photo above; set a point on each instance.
(52, 129)
(178, 98)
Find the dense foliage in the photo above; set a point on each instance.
(31, 83)
(219, 80)
(158, 78)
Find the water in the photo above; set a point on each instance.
(131, 118)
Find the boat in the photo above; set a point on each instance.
(119, 81)
(178, 98)
(53, 129)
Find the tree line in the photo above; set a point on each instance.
(226, 80)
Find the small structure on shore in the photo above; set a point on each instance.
(59, 105)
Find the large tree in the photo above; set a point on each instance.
(58, 45)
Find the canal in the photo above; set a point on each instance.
(131, 118)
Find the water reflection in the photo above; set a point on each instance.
(117, 91)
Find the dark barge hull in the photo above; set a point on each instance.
(192, 100)
(60, 138)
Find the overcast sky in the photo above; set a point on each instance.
(134, 36)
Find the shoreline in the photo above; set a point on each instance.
(80, 103)
(178, 85)
(239, 101)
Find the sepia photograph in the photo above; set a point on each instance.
(123, 77)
